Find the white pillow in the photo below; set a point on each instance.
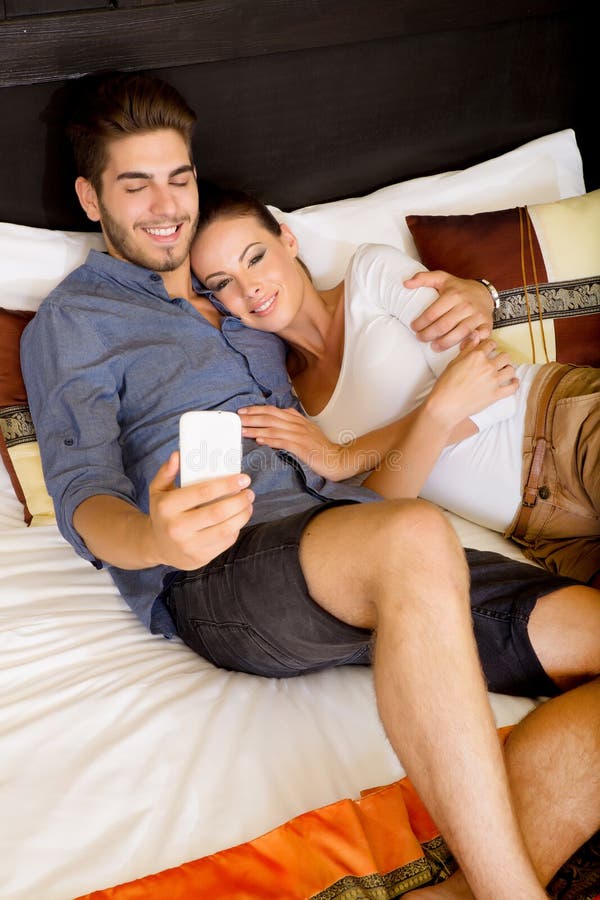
(34, 260)
(540, 171)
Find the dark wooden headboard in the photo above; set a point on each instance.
(299, 101)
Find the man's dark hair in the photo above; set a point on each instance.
(117, 104)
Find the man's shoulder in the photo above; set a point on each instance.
(89, 286)
(71, 285)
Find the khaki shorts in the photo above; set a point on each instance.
(558, 523)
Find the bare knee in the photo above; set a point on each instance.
(414, 544)
(415, 528)
(394, 554)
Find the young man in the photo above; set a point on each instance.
(298, 573)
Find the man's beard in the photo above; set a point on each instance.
(163, 260)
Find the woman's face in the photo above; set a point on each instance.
(253, 272)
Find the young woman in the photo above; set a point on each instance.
(515, 450)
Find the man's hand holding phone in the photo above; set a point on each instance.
(195, 522)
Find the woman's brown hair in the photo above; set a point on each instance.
(221, 203)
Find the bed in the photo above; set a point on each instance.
(130, 767)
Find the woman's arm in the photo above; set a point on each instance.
(385, 452)
(477, 377)
(400, 455)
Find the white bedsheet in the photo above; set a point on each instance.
(122, 753)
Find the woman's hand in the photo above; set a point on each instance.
(287, 429)
(476, 378)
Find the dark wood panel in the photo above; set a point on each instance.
(56, 47)
(328, 122)
(134, 4)
(17, 8)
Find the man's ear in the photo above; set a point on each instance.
(289, 239)
(88, 198)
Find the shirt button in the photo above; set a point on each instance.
(68, 442)
(544, 492)
(155, 277)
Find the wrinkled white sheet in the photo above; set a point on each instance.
(122, 753)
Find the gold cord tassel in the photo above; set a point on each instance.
(524, 276)
(535, 281)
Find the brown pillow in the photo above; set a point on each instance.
(18, 444)
(545, 262)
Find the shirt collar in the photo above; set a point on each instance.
(138, 278)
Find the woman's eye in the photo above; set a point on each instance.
(257, 258)
(220, 286)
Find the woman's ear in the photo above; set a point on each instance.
(88, 198)
(289, 239)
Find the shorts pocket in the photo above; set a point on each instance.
(235, 646)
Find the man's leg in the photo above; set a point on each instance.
(537, 633)
(564, 629)
(553, 763)
(398, 568)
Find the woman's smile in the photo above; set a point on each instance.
(265, 306)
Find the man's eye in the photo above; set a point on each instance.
(135, 190)
(257, 258)
(181, 183)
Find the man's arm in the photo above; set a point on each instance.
(463, 306)
(75, 399)
(185, 528)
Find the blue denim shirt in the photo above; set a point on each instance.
(110, 363)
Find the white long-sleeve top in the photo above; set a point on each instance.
(386, 372)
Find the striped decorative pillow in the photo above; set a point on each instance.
(545, 262)
(18, 444)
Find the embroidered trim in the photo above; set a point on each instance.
(560, 299)
(16, 425)
(437, 865)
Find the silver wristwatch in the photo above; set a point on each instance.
(493, 292)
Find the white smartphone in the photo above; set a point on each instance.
(210, 445)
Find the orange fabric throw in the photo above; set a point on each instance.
(375, 848)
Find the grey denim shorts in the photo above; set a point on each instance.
(249, 610)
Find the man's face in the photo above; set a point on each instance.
(148, 206)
